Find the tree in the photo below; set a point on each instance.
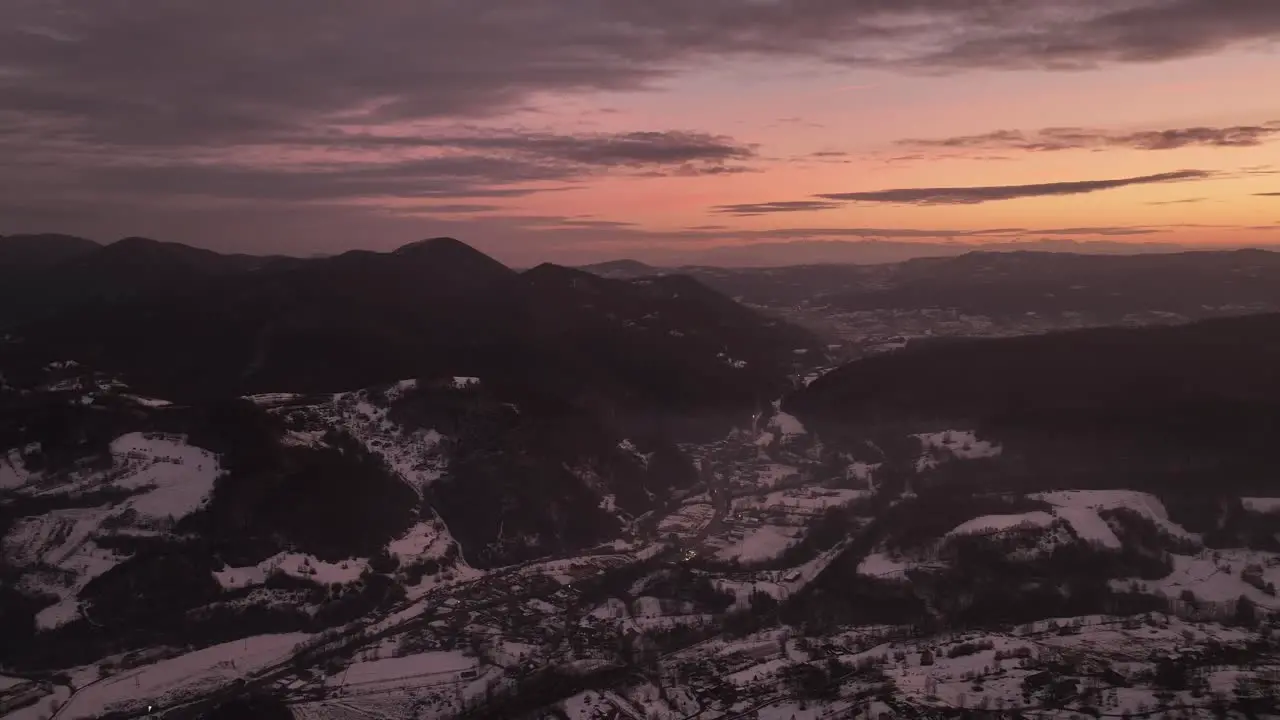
(1246, 612)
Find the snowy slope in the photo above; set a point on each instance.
(167, 479)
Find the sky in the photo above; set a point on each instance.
(584, 130)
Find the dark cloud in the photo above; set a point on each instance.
(1184, 201)
(190, 71)
(451, 209)
(634, 149)
(116, 103)
(1268, 194)
(776, 207)
(1086, 33)
(1054, 139)
(982, 194)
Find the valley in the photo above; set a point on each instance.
(648, 502)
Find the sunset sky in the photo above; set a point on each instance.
(580, 130)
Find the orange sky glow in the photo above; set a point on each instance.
(606, 132)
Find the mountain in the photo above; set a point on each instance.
(1194, 405)
(1105, 288)
(422, 484)
(437, 308)
(133, 267)
(25, 252)
(421, 413)
(622, 269)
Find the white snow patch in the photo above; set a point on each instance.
(883, 565)
(999, 523)
(297, 565)
(465, 382)
(180, 476)
(962, 444)
(147, 402)
(1081, 502)
(787, 424)
(775, 473)
(440, 667)
(427, 539)
(61, 540)
(12, 473)
(1264, 505)
(414, 456)
(273, 399)
(763, 543)
(184, 676)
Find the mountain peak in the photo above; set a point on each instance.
(435, 244)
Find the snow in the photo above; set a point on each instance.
(180, 476)
(689, 519)
(1089, 526)
(647, 606)
(1000, 523)
(430, 667)
(962, 444)
(1081, 502)
(611, 609)
(799, 501)
(787, 424)
(426, 539)
(186, 675)
(1213, 580)
(465, 382)
(775, 473)
(883, 565)
(273, 399)
(414, 456)
(44, 707)
(60, 557)
(7, 682)
(862, 471)
(298, 565)
(584, 705)
(765, 439)
(147, 402)
(12, 473)
(1252, 504)
(763, 543)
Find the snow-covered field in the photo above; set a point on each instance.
(168, 479)
(12, 473)
(688, 520)
(1215, 576)
(178, 477)
(1265, 505)
(989, 524)
(297, 565)
(1080, 508)
(187, 675)
(424, 669)
(762, 543)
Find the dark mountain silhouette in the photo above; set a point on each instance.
(1105, 287)
(134, 267)
(221, 325)
(34, 251)
(624, 268)
(1197, 403)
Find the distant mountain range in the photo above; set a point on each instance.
(1104, 288)
(176, 321)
